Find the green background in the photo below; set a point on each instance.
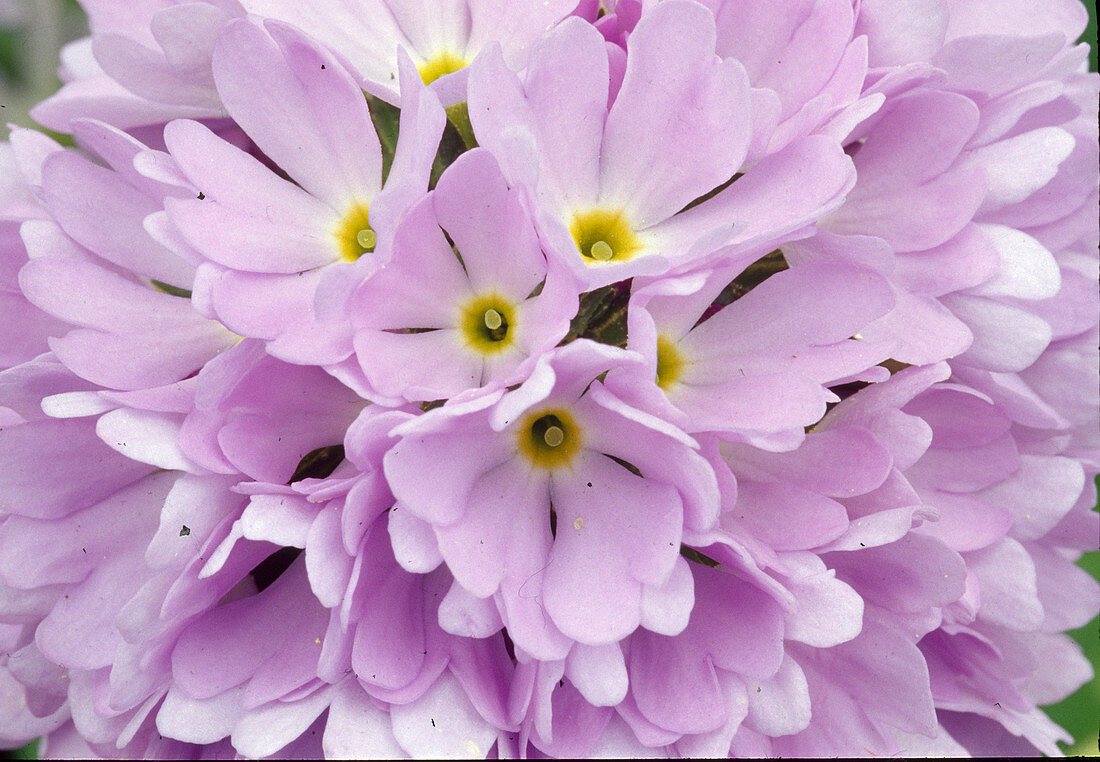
(1079, 714)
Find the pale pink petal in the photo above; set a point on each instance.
(268, 84)
(612, 537)
(780, 705)
(356, 728)
(441, 724)
(489, 226)
(667, 144)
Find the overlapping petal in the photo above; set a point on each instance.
(435, 379)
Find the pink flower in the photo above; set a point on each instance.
(599, 493)
(436, 320)
(472, 378)
(271, 241)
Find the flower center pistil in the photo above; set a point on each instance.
(487, 324)
(366, 239)
(354, 234)
(553, 436)
(549, 438)
(603, 236)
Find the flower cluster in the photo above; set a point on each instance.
(479, 377)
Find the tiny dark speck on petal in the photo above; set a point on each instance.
(185, 530)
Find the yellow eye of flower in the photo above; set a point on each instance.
(488, 324)
(354, 235)
(440, 65)
(670, 363)
(603, 236)
(549, 438)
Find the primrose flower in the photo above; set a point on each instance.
(482, 379)
(604, 493)
(442, 39)
(148, 64)
(600, 188)
(269, 240)
(436, 320)
(713, 378)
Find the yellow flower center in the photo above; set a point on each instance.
(440, 65)
(487, 324)
(549, 438)
(603, 236)
(670, 363)
(354, 235)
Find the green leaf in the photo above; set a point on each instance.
(450, 148)
(387, 120)
(167, 288)
(459, 117)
